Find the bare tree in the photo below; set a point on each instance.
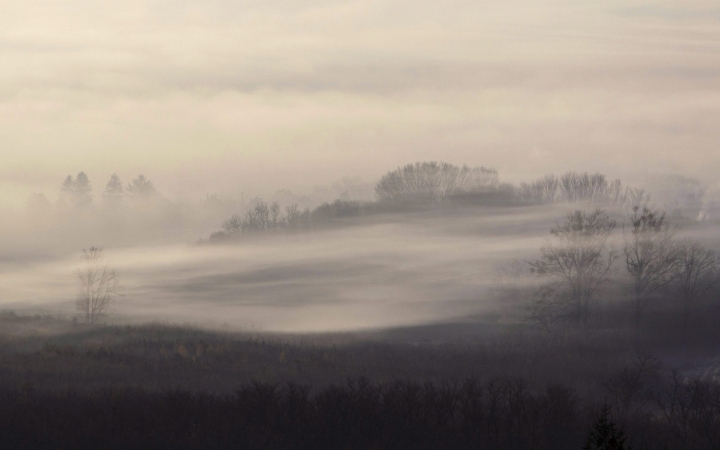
(477, 179)
(579, 258)
(626, 389)
(542, 190)
(296, 219)
(233, 226)
(98, 285)
(697, 274)
(258, 218)
(585, 187)
(652, 256)
(433, 181)
(581, 187)
(274, 214)
(550, 304)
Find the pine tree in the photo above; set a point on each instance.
(83, 191)
(67, 191)
(141, 187)
(114, 191)
(604, 435)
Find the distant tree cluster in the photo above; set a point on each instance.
(437, 182)
(578, 260)
(77, 192)
(581, 187)
(268, 219)
(434, 181)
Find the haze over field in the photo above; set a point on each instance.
(308, 101)
(378, 275)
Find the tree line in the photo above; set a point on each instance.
(264, 219)
(579, 259)
(433, 183)
(498, 414)
(78, 192)
(439, 181)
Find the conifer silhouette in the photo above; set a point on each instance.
(604, 435)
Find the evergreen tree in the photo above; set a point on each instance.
(604, 435)
(141, 188)
(114, 190)
(83, 191)
(67, 191)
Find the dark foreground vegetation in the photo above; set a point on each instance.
(501, 414)
(69, 385)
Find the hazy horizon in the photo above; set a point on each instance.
(222, 97)
(308, 101)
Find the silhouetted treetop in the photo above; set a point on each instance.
(652, 255)
(141, 187)
(604, 434)
(580, 259)
(576, 187)
(114, 190)
(67, 190)
(78, 191)
(434, 181)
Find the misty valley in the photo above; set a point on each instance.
(439, 307)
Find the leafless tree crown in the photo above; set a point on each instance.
(434, 181)
(697, 275)
(652, 255)
(98, 285)
(580, 259)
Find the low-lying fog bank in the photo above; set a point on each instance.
(416, 269)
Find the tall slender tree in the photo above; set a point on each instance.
(83, 191)
(76, 192)
(697, 275)
(98, 285)
(604, 434)
(67, 190)
(114, 191)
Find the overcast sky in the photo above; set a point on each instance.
(257, 95)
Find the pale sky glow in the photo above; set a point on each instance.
(227, 96)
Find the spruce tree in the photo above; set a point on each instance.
(141, 188)
(114, 190)
(604, 435)
(67, 191)
(83, 191)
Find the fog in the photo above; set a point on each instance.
(322, 224)
(223, 105)
(393, 272)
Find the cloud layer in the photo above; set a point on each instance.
(221, 96)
